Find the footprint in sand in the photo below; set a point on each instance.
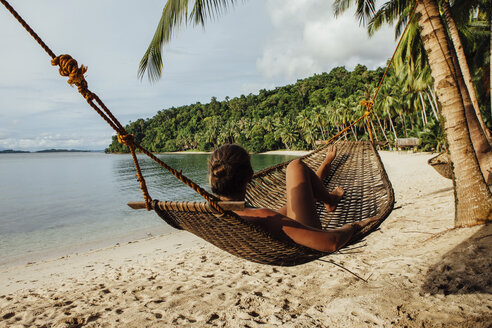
(8, 315)
(213, 317)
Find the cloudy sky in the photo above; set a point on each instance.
(257, 44)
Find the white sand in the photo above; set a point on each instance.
(419, 272)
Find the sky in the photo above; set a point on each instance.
(257, 44)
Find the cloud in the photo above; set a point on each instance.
(48, 141)
(308, 39)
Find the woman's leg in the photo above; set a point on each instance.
(323, 240)
(304, 187)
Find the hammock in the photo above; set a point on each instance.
(357, 168)
(442, 165)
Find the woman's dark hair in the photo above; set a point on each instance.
(230, 170)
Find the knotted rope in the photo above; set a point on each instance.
(369, 104)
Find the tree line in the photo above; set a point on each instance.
(296, 116)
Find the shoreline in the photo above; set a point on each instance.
(269, 152)
(275, 152)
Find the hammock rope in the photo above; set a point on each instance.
(369, 104)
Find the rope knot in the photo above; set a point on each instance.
(69, 67)
(126, 139)
(367, 103)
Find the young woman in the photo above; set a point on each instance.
(230, 171)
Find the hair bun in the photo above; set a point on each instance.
(229, 170)
(220, 169)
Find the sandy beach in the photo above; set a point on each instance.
(416, 270)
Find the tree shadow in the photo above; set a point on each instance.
(466, 269)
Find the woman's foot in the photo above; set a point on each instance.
(335, 197)
(324, 168)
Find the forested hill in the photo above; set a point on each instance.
(288, 117)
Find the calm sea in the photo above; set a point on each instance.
(55, 204)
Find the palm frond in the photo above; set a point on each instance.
(341, 6)
(365, 9)
(174, 15)
(392, 10)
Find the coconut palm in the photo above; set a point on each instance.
(473, 199)
(286, 133)
(304, 122)
(411, 56)
(319, 120)
(460, 53)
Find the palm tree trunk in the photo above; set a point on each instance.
(473, 199)
(478, 137)
(313, 146)
(405, 125)
(479, 141)
(374, 132)
(392, 126)
(433, 94)
(463, 64)
(354, 133)
(322, 132)
(401, 120)
(423, 107)
(434, 109)
(381, 127)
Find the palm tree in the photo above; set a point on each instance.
(411, 55)
(463, 65)
(212, 130)
(285, 132)
(319, 120)
(304, 122)
(473, 199)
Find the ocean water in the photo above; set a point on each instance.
(56, 204)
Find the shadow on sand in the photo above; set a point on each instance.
(466, 269)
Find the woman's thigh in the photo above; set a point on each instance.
(301, 203)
